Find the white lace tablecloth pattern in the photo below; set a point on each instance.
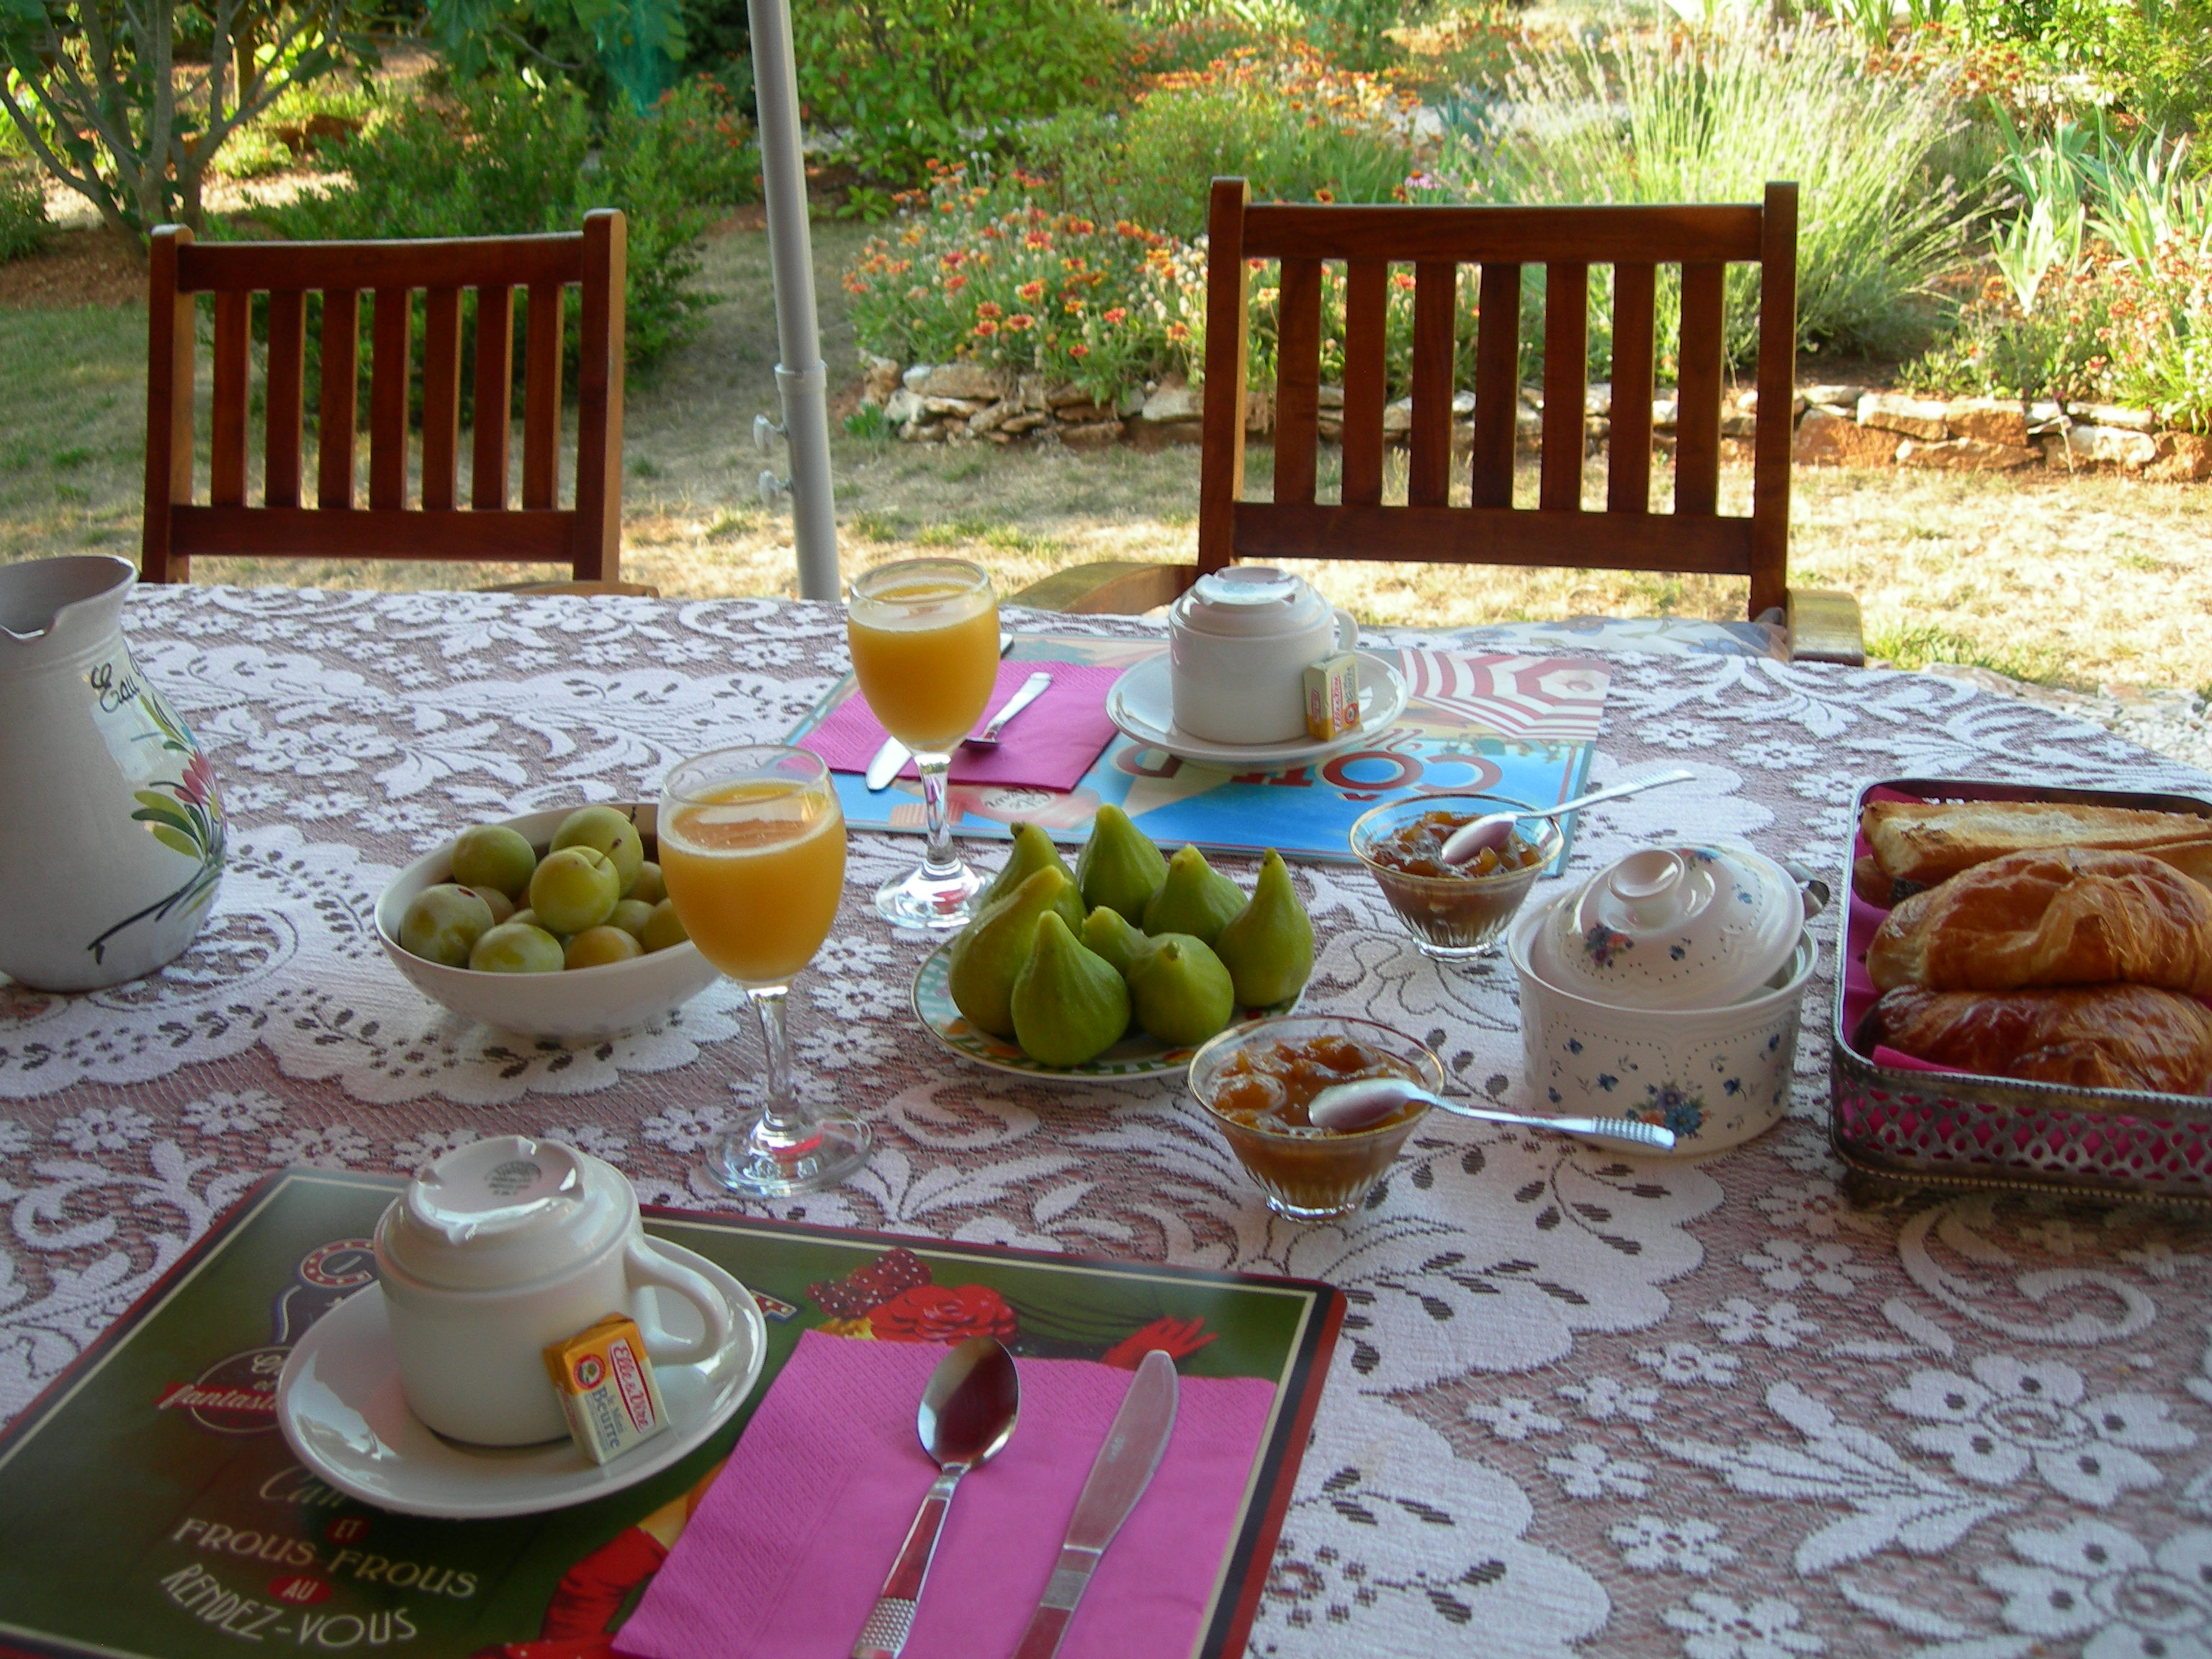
(1582, 1403)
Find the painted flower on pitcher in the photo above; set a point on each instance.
(2010, 1416)
(1603, 944)
(2093, 1579)
(1670, 1107)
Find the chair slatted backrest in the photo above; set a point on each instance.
(335, 524)
(1436, 241)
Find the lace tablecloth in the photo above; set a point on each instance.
(1706, 1408)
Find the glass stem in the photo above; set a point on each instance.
(781, 1116)
(939, 860)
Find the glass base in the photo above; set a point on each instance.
(759, 1165)
(1310, 1213)
(929, 900)
(1458, 954)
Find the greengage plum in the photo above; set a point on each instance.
(631, 915)
(574, 888)
(648, 887)
(502, 907)
(516, 947)
(442, 923)
(493, 855)
(595, 947)
(663, 929)
(608, 832)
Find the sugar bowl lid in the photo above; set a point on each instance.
(1673, 927)
(503, 1211)
(1250, 600)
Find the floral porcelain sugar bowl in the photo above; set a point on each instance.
(113, 872)
(1666, 987)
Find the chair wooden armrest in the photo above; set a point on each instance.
(633, 590)
(1824, 626)
(1109, 587)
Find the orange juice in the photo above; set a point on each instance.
(754, 870)
(927, 653)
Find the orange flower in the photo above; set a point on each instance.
(1178, 331)
(955, 282)
(1079, 350)
(1037, 239)
(1116, 315)
(985, 329)
(988, 308)
(1031, 291)
(1324, 195)
(1020, 322)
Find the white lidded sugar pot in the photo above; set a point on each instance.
(1239, 643)
(1667, 988)
(113, 872)
(502, 1247)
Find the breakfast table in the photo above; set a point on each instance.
(1734, 1408)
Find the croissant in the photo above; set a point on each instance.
(2103, 1037)
(2062, 916)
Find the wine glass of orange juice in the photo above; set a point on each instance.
(752, 849)
(924, 637)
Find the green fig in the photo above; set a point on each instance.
(1269, 945)
(991, 952)
(1033, 851)
(1119, 867)
(1068, 1004)
(1106, 932)
(1182, 994)
(1196, 899)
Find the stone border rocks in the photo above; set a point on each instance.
(1836, 424)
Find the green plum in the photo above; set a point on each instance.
(606, 830)
(649, 886)
(574, 888)
(663, 929)
(516, 947)
(442, 923)
(595, 947)
(493, 855)
(631, 915)
(502, 907)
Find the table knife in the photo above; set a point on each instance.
(894, 754)
(1118, 1479)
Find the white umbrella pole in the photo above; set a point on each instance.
(805, 388)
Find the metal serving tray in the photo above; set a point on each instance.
(1955, 1130)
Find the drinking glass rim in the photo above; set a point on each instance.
(979, 579)
(769, 754)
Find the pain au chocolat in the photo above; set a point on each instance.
(2056, 916)
(2099, 1036)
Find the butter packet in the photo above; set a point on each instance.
(1333, 696)
(606, 1388)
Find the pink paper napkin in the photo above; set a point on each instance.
(786, 1554)
(1050, 745)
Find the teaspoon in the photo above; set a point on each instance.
(1348, 1107)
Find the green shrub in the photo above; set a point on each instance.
(907, 82)
(1712, 117)
(1292, 122)
(24, 227)
(505, 157)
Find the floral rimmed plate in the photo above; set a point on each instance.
(1135, 1055)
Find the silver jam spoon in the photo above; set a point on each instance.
(1032, 688)
(968, 1413)
(1348, 1107)
(1491, 829)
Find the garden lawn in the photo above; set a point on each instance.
(2087, 580)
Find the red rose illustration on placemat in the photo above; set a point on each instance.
(944, 1313)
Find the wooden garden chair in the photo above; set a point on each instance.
(1627, 535)
(586, 536)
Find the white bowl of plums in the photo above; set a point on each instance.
(555, 924)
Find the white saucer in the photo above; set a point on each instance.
(339, 1405)
(1141, 706)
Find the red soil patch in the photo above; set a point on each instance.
(78, 268)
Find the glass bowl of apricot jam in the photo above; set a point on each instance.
(1456, 913)
(1255, 1080)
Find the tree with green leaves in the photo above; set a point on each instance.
(105, 100)
(639, 46)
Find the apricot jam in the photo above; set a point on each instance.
(1269, 1086)
(1417, 849)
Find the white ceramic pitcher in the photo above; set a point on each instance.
(111, 855)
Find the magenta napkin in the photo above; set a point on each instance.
(1050, 745)
(785, 1554)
